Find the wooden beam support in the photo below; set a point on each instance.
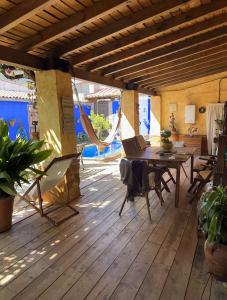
(187, 66)
(122, 24)
(180, 63)
(130, 65)
(193, 70)
(159, 42)
(93, 77)
(172, 56)
(22, 12)
(153, 30)
(194, 76)
(21, 59)
(71, 23)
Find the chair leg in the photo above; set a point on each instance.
(192, 186)
(165, 185)
(198, 191)
(148, 206)
(159, 194)
(185, 173)
(171, 176)
(123, 204)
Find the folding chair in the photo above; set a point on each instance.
(54, 174)
(202, 178)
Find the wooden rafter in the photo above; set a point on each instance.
(22, 12)
(219, 62)
(71, 23)
(173, 59)
(141, 35)
(20, 58)
(180, 63)
(122, 24)
(172, 55)
(138, 62)
(159, 42)
(93, 77)
(187, 65)
(190, 77)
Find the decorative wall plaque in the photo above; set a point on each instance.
(68, 114)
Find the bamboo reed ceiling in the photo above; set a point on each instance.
(145, 43)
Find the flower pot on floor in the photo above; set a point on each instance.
(216, 258)
(6, 212)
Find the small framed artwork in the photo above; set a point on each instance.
(172, 107)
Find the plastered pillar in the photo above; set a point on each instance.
(130, 114)
(52, 85)
(155, 119)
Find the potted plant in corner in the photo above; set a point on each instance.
(213, 222)
(17, 160)
(166, 144)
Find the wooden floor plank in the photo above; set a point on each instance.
(84, 254)
(90, 212)
(97, 255)
(176, 283)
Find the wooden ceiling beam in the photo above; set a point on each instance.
(198, 63)
(159, 42)
(189, 77)
(153, 30)
(172, 56)
(22, 12)
(190, 71)
(93, 77)
(178, 63)
(132, 65)
(71, 23)
(120, 25)
(21, 59)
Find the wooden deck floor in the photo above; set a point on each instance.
(97, 255)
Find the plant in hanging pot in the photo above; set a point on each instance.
(166, 144)
(213, 222)
(17, 160)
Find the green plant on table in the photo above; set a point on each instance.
(165, 134)
(213, 215)
(17, 160)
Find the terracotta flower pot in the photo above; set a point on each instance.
(216, 258)
(6, 211)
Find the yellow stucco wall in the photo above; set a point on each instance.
(198, 92)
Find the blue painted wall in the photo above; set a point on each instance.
(10, 110)
(87, 109)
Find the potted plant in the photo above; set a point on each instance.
(213, 222)
(166, 144)
(17, 160)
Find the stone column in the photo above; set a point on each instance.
(52, 85)
(130, 114)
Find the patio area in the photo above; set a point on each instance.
(171, 53)
(98, 255)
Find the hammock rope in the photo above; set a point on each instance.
(87, 125)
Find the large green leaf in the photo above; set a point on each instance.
(8, 189)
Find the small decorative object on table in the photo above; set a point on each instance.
(166, 144)
(192, 130)
(213, 223)
(172, 124)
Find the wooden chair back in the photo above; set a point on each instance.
(131, 146)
